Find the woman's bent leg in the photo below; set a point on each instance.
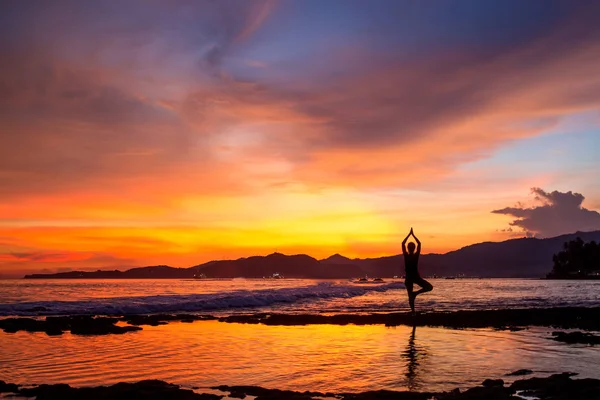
(425, 286)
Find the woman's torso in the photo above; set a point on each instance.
(411, 264)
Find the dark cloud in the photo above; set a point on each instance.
(559, 213)
(30, 256)
(40, 256)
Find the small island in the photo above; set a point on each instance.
(577, 260)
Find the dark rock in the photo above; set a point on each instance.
(520, 372)
(41, 392)
(144, 320)
(12, 325)
(493, 383)
(513, 319)
(576, 337)
(564, 317)
(386, 395)
(284, 396)
(555, 387)
(103, 330)
(77, 325)
(51, 331)
(85, 325)
(488, 393)
(98, 326)
(149, 389)
(560, 387)
(275, 394)
(8, 387)
(163, 319)
(271, 394)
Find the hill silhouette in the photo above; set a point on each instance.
(518, 258)
(296, 266)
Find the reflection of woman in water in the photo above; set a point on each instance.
(413, 354)
(411, 265)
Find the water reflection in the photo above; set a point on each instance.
(414, 356)
(336, 358)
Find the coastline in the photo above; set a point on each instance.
(556, 387)
(585, 318)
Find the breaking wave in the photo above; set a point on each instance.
(194, 302)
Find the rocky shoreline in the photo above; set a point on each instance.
(555, 387)
(584, 318)
(93, 325)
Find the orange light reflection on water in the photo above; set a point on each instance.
(317, 357)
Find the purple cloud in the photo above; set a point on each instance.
(560, 213)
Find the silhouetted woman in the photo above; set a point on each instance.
(411, 265)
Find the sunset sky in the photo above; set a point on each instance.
(175, 132)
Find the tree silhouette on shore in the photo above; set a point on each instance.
(577, 260)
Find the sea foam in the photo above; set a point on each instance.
(194, 302)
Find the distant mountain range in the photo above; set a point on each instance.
(518, 258)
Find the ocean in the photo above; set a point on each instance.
(228, 296)
(338, 358)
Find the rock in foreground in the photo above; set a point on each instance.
(77, 325)
(555, 387)
(94, 325)
(150, 390)
(163, 319)
(559, 387)
(587, 318)
(576, 337)
(8, 387)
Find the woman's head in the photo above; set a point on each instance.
(411, 247)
